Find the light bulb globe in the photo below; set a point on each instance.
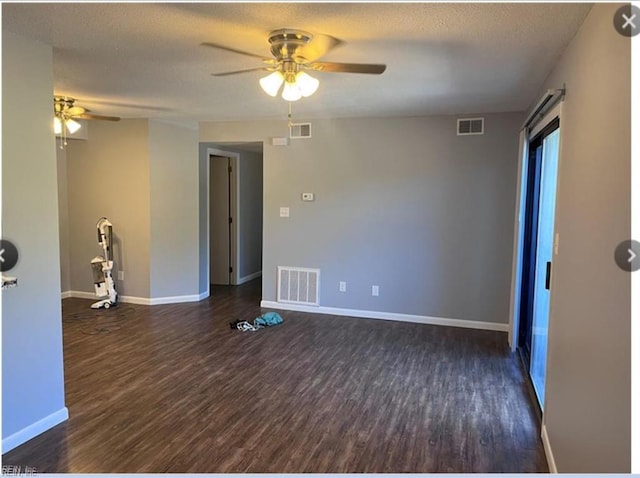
(57, 125)
(72, 126)
(291, 92)
(307, 83)
(271, 83)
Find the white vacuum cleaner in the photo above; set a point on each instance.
(102, 267)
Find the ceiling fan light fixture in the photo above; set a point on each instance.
(272, 82)
(72, 125)
(306, 83)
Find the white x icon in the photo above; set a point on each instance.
(1, 258)
(629, 21)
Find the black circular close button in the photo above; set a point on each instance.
(627, 255)
(627, 20)
(8, 255)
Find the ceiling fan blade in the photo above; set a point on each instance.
(368, 68)
(76, 110)
(127, 105)
(319, 46)
(233, 50)
(96, 117)
(237, 72)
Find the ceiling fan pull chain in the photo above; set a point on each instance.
(289, 117)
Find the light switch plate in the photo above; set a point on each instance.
(284, 141)
(284, 212)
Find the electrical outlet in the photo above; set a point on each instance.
(375, 290)
(284, 212)
(343, 286)
(120, 275)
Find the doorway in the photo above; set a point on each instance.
(221, 220)
(537, 253)
(231, 213)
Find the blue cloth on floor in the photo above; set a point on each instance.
(268, 319)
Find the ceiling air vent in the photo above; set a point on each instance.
(300, 130)
(468, 126)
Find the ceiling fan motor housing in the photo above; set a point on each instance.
(61, 103)
(287, 43)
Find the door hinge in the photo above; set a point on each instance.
(230, 270)
(230, 220)
(229, 168)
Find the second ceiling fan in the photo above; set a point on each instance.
(66, 112)
(294, 53)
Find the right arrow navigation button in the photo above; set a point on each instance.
(627, 255)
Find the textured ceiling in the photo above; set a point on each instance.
(145, 59)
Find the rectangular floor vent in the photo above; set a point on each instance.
(298, 285)
(469, 126)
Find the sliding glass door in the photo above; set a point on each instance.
(542, 171)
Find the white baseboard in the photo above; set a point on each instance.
(128, 299)
(547, 450)
(371, 314)
(35, 429)
(244, 279)
(168, 300)
(78, 295)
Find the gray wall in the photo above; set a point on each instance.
(173, 153)
(32, 367)
(63, 214)
(588, 379)
(402, 203)
(250, 224)
(108, 175)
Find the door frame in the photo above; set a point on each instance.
(526, 136)
(234, 208)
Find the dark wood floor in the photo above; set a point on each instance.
(173, 389)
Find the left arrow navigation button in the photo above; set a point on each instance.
(8, 255)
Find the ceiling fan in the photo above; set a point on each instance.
(294, 53)
(65, 114)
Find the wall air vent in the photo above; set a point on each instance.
(298, 285)
(300, 130)
(469, 126)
